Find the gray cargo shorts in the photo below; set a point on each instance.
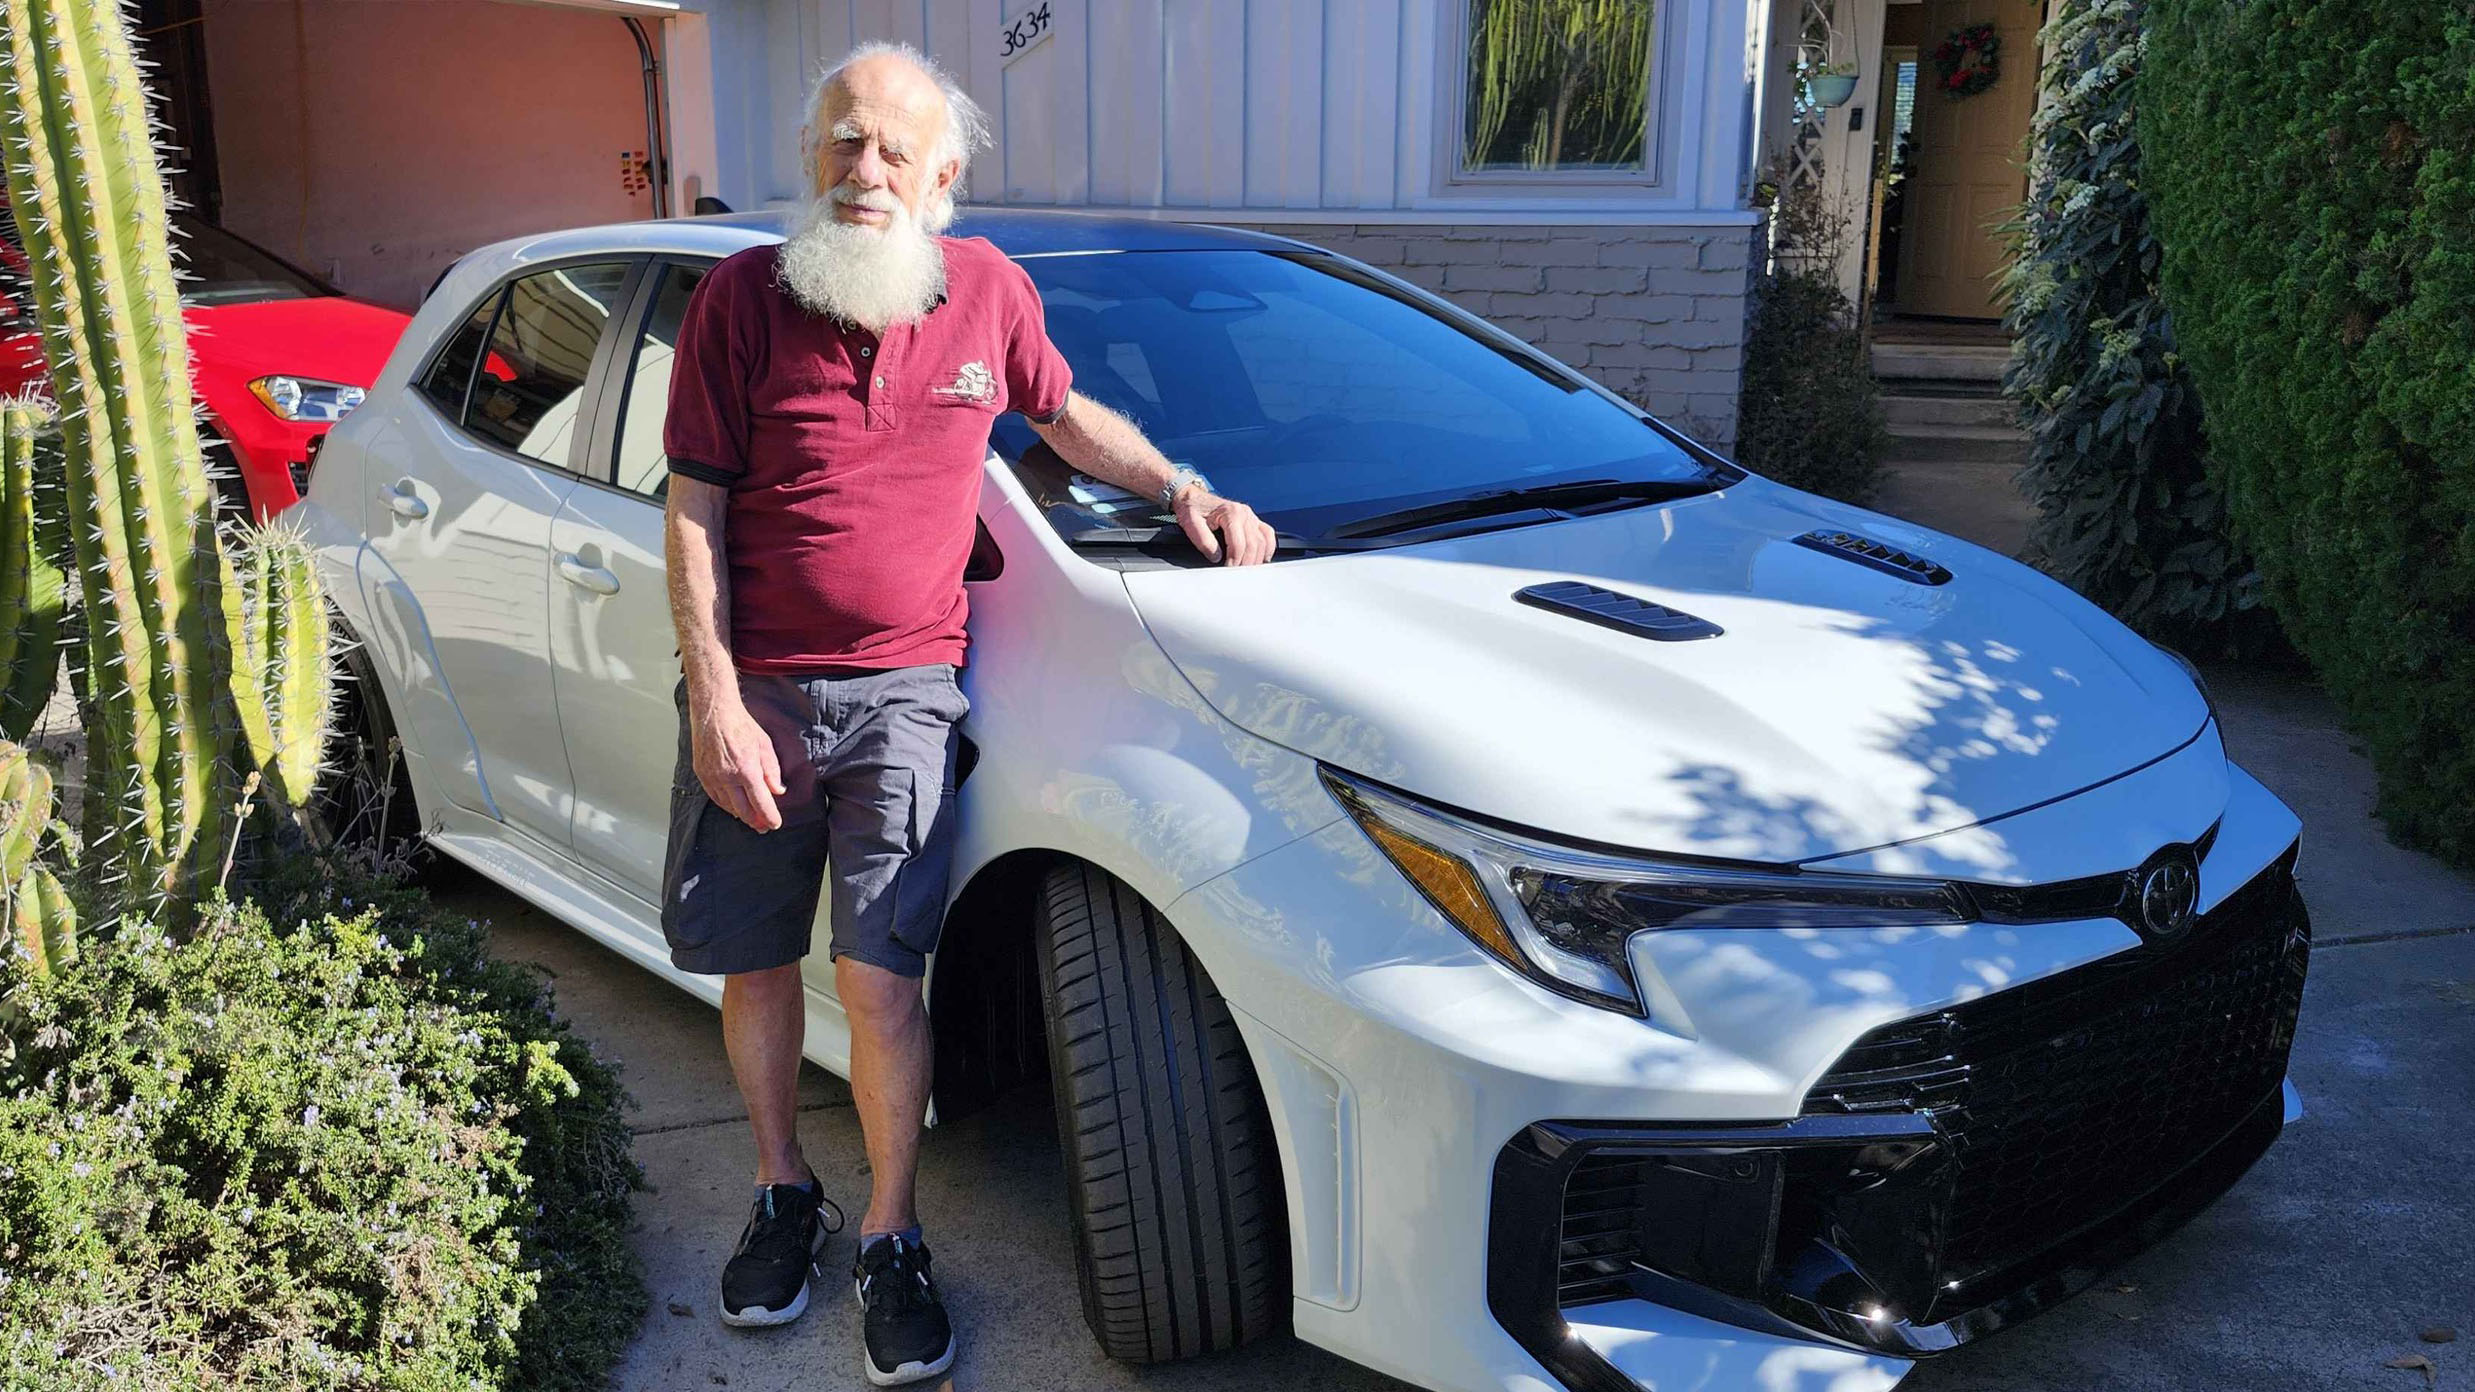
(869, 763)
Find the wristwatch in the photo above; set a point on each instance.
(1177, 484)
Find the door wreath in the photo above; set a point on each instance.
(1969, 60)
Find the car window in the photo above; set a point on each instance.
(451, 372)
(1315, 390)
(642, 467)
(530, 385)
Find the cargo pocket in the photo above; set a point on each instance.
(687, 923)
(920, 886)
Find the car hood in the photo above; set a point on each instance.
(330, 337)
(1841, 708)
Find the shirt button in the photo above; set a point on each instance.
(880, 381)
(867, 352)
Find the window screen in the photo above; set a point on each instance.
(530, 387)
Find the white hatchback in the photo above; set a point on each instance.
(1584, 915)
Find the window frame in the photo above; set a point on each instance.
(1661, 114)
(616, 379)
(580, 442)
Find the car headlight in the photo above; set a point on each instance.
(307, 399)
(1564, 916)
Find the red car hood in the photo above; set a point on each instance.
(330, 337)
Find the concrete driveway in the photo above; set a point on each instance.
(2348, 1241)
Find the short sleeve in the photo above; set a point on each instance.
(1036, 376)
(705, 431)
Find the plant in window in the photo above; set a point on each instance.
(1557, 84)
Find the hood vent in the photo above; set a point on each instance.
(1621, 612)
(1865, 551)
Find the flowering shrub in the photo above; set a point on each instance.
(352, 1152)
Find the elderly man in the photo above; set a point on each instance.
(830, 407)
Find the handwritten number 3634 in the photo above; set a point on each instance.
(1025, 31)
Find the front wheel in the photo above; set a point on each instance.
(1170, 1167)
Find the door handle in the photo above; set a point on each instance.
(403, 502)
(597, 579)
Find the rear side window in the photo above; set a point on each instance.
(642, 467)
(452, 371)
(530, 385)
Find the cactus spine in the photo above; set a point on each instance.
(33, 593)
(284, 685)
(41, 919)
(164, 692)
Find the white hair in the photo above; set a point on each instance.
(964, 133)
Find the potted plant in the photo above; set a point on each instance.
(1830, 85)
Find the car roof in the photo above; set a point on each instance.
(1018, 232)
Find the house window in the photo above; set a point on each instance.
(1558, 88)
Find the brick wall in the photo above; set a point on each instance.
(1656, 314)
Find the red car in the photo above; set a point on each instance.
(276, 355)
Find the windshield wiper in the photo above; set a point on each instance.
(1550, 497)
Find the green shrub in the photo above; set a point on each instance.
(2313, 168)
(2126, 513)
(1809, 413)
(352, 1152)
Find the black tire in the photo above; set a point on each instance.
(1171, 1170)
(363, 802)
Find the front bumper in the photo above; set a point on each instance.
(1398, 1061)
(1951, 1175)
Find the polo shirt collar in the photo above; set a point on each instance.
(848, 327)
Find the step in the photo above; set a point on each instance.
(1904, 411)
(1977, 500)
(1952, 361)
(1983, 444)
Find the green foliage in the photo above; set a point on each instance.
(180, 694)
(2313, 172)
(284, 685)
(1557, 83)
(2126, 514)
(1809, 414)
(353, 1152)
(42, 920)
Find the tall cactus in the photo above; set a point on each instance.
(166, 690)
(284, 682)
(41, 920)
(32, 591)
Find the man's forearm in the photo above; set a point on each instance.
(1109, 447)
(692, 530)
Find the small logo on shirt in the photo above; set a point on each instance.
(973, 383)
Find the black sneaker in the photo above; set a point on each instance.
(766, 1279)
(905, 1329)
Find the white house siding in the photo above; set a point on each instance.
(1325, 120)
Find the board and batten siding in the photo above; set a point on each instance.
(1331, 120)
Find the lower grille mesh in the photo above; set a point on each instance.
(2065, 1100)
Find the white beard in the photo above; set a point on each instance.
(871, 276)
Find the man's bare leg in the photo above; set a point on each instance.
(890, 1070)
(764, 1025)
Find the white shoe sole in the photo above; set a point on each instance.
(914, 1371)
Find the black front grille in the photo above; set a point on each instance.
(2066, 1100)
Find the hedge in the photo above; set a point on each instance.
(2126, 513)
(351, 1152)
(2313, 168)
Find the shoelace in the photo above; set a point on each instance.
(771, 1233)
(906, 1284)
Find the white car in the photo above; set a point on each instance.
(1582, 916)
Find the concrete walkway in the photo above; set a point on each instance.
(2349, 1239)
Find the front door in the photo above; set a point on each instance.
(1966, 173)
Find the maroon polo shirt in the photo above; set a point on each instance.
(853, 459)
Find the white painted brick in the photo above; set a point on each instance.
(1515, 278)
(1598, 280)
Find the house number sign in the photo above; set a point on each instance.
(1024, 32)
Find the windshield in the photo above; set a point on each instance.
(215, 267)
(1314, 392)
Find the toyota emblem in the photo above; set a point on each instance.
(2169, 890)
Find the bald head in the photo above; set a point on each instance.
(885, 123)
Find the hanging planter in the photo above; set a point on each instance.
(1828, 88)
(1969, 60)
